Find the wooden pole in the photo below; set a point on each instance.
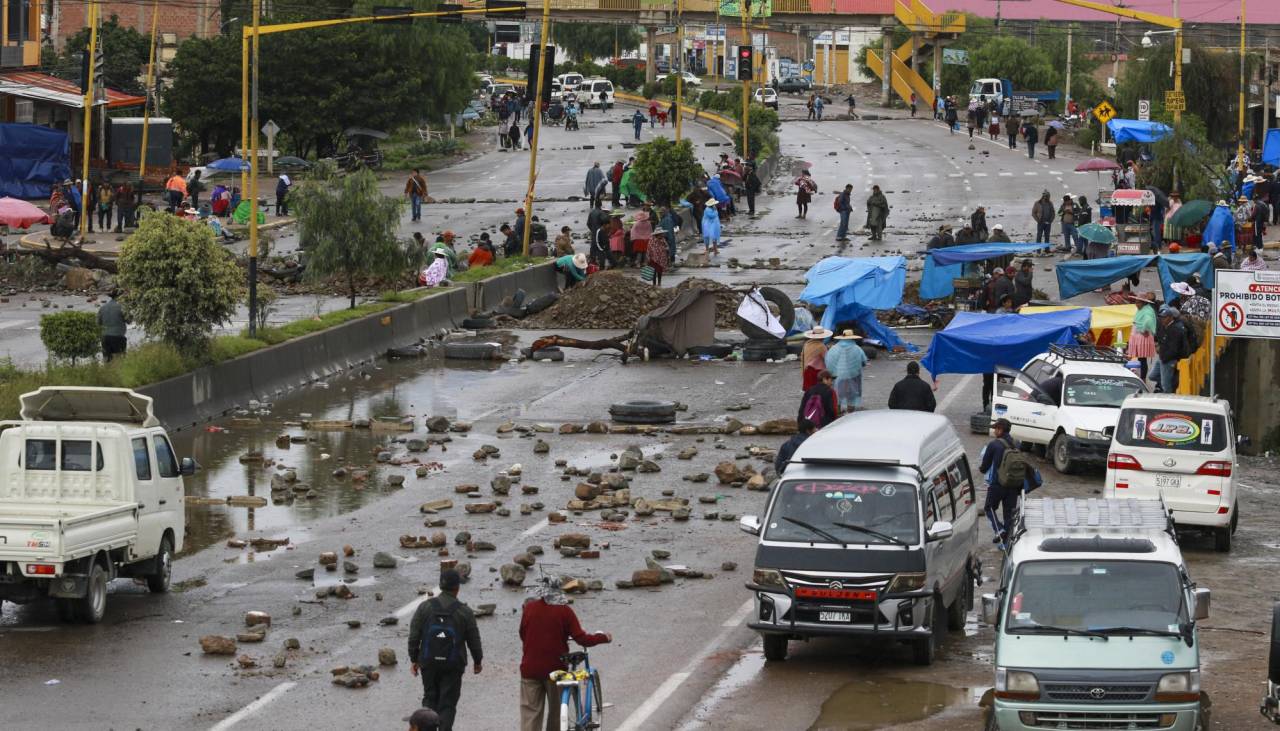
(537, 121)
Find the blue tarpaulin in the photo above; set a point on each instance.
(1133, 130)
(229, 165)
(854, 288)
(1220, 227)
(941, 266)
(1271, 148)
(977, 342)
(32, 159)
(716, 189)
(1076, 277)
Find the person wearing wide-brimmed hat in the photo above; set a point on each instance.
(573, 267)
(641, 232)
(813, 356)
(657, 254)
(845, 360)
(1142, 342)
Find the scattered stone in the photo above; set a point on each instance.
(306, 574)
(348, 551)
(687, 453)
(645, 577)
(524, 559)
(680, 514)
(237, 543)
(663, 573)
(630, 459)
(728, 566)
(438, 424)
(485, 610)
(395, 480)
(778, 426)
(462, 538)
(350, 567)
(556, 517)
(389, 621)
(435, 522)
(731, 426)
(569, 551)
(435, 506)
(500, 484)
(577, 540)
(571, 429)
(341, 472)
(328, 558)
(727, 472)
(383, 560)
(643, 508)
(707, 499)
(475, 546)
(541, 447)
(699, 477)
(614, 481)
(217, 645)
(255, 618)
(353, 623)
(246, 662)
(421, 471)
(711, 515)
(480, 507)
(587, 491)
(460, 427)
(386, 657)
(506, 427)
(648, 466)
(660, 554)
(588, 554)
(251, 636)
(597, 427)
(342, 591)
(727, 517)
(756, 483)
(502, 512)
(528, 490)
(512, 574)
(464, 570)
(416, 444)
(573, 586)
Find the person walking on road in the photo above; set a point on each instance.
(592, 187)
(805, 188)
(912, 393)
(112, 321)
(877, 213)
(443, 630)
(1051, 140)
(804, 430)
(811, 107)
(752, 186)
(818, 104)
(637, 121)
(913, 105)
(844, 207)
(615, 179)
(283, 184)
(1001, 497)
(845, 361)
(711, 230)
(1142, 340)
(547, 623)
(1043, 212)
(1067, 217)
(1011, 131)
(952, 118)
(195, 187)
(1171, 346)
(415, 188)
(813, 356)
(1032, 136)
(819, 405)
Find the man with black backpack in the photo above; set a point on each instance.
(1008, 472)
(442, 631)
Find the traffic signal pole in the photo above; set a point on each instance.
(151, 90)
(88, 117)
(744, 11)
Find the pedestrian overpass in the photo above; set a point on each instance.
(929, 31)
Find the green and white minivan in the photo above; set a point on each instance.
(1095, 621)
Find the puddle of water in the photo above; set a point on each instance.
(863, 705)
(748, 667)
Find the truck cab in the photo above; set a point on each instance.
(1095, 621)
(90, 489)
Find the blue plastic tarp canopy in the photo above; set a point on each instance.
(1271, 148)
(717, 191)
(32, 160)
(942, 266)
(229, 165)
(1133, 130)
(977, 342)
(1077, 277)
(1220, 227)
(854, 288)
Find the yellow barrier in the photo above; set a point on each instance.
(1193, 372)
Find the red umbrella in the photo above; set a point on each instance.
(1096, 164)
(17, 213)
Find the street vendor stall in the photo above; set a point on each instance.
(1109, 324)
(945, 268)
(977, 342)
(1077, 277)
(1133, 236)
(852, 289)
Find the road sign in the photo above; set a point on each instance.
(808, 66)
(1144, 110)
(955, 57)
(1175, 101)
(1246, 304)
(1104, 112)
(271, 129)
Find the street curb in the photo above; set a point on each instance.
(29, 241)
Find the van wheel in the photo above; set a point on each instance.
(1235, 519)
(1222, 540)
(158, 582)
(925, 651)
(992, 724)
(775, 648)
(1062, 461)
(93, 605)
(958, 612)
(1273, 656)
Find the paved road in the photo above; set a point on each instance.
(683, 658)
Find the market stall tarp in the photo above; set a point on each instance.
(942, 266)
(1077, 277)
(854, 288)
(1101, 319)
(1133, 130)
(687, 321)
(977, 342)
(32, 160)
(1221, 227)
(1271, 148)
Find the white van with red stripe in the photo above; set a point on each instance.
(1181, 449)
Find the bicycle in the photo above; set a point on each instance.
(581, 697)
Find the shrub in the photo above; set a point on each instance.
(71, 335)
(149, 363)
(226, 347)
(650, 90)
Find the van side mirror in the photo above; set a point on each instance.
(187, 467)
(990, 609)
(750, 524)
(940, 530)
(1202, 603)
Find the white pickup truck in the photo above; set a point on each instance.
(90, 490)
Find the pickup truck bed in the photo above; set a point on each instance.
(35, 532)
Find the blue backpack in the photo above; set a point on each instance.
(442, 643)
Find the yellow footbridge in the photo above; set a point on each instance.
(929, 31)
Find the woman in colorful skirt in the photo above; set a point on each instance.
(1142, 342)
(641, 232)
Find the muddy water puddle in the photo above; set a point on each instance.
(863, 705)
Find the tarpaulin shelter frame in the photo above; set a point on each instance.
(1134, 130)
(852, 289)
(1077, 277)
(943, 266)
(32, 160)
(1105, 321)
(978, 342)
(686, 322)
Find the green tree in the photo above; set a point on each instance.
(1186, 161)
(666, 170)
(124, 55)
(349, 228)
(203, 95)
(71, 335)
(178, 282)
(589, 41)
(1006, 57)
(1210, 83)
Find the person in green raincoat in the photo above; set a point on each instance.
(630, 191)
(877, 213)
(445, 244)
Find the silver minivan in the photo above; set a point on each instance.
(871, 530)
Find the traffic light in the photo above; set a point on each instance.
(547, 69)
(99, 65)
(746, 62)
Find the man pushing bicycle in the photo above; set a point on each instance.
(546, 625)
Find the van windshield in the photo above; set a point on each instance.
(845, 511)
(1106, 391)
(1096, 596)
(1182, 430)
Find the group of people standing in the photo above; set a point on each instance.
(877, 206)
(983, 114)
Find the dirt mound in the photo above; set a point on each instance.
(613, 300)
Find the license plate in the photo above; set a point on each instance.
(1171, 481)
(835, 616)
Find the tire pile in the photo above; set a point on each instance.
(612, 300)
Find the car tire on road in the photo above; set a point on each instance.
(643, 412)
(1222, 539)
(719, 350)
(158, 583)
(92, 607)
(473, 351)
(958, 612)
(477, 323)
(775, 648)
(786, 313)
(759, 354)
(554, 355)
(925, 651)
(541, 303)
(980, 423)
(992, 724)
(871, 353)
(1062, 461)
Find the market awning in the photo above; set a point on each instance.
(1101, 319)
(942, 266)
(1076, 277)
(43, 87)
(977, 342)
(1133, 130)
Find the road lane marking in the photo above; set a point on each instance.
(955, 391)
(1006, 175)
(673, 682)
(1031, 172)
(11, 323)
(254, 707)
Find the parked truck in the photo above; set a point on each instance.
(1012, 101)
(90, 490)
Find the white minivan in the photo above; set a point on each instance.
(1181, 449)
(589, 93)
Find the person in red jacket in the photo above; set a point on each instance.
(546, 624)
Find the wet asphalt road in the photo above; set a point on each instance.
(682, 657)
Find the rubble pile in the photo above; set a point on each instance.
(613, 300)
